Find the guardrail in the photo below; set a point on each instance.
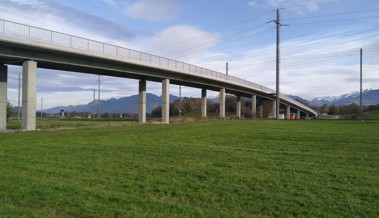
(63, 39)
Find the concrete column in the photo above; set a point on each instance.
(261, 109)
(142, 102)
(203, 103)
(29, 87)
(307, 115)
(298, 115)
(165, 101)
(238, 107)
(254, 106)
(222, 103)
(288, 112)
(3, 96)
(269, 109)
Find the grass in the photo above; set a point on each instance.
(48, 123)
(201, 169)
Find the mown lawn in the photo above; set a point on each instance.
(205, 169)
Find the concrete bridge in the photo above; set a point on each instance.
(29, 47)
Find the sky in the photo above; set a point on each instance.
(320, 42)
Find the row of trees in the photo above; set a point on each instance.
(189, 105)
(9, 110)
(350, 111)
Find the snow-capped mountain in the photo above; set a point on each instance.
(369, 96)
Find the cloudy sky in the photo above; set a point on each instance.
(320, 42)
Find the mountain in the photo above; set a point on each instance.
(130, 104)
(369, 97)
(113, 105)
(300, 99)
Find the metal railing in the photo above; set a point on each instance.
(57, 38)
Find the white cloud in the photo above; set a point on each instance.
(182, 41)
(110, 2)
(253, 3)
(312, 66)
(153, 10)
(299, 6)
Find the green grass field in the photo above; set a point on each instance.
(204, 169)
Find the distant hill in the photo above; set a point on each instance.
(370, 97)
(130, 104)
(113, 105)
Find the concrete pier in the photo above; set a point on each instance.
(260, 112)
(298, 115)
(254, 106)
(203, 103)
(3, 96)
(29, 90)
(222, 103)
(269, 109)
(142, 102)
(166, 101)
(288, 112)
(238, 106)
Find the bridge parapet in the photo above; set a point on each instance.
(63, 39)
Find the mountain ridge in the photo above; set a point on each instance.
(114, 105)
(130, 104)
(369, 97)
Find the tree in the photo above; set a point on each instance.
(9, 110)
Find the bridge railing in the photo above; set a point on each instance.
(53, 37)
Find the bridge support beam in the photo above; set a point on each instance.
(288, 112)
(142, 102)
(222, 103)
(269, 109)
(166, 101)
(3, 96)
(29, 92)
(238, 107)
(298, 115)
(204, 103)
(254, 106)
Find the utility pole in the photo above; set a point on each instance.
(227, 68)
(98, 97)
(278, 24)
(19, 97)
(180, 101)
(361, 112)
(41, 106)
(94, 100)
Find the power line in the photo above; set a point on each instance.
(332, 15)
(211, 41)
(218, 29)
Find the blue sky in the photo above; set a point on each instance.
(319, 49)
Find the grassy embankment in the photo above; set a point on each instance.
(204, 169)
